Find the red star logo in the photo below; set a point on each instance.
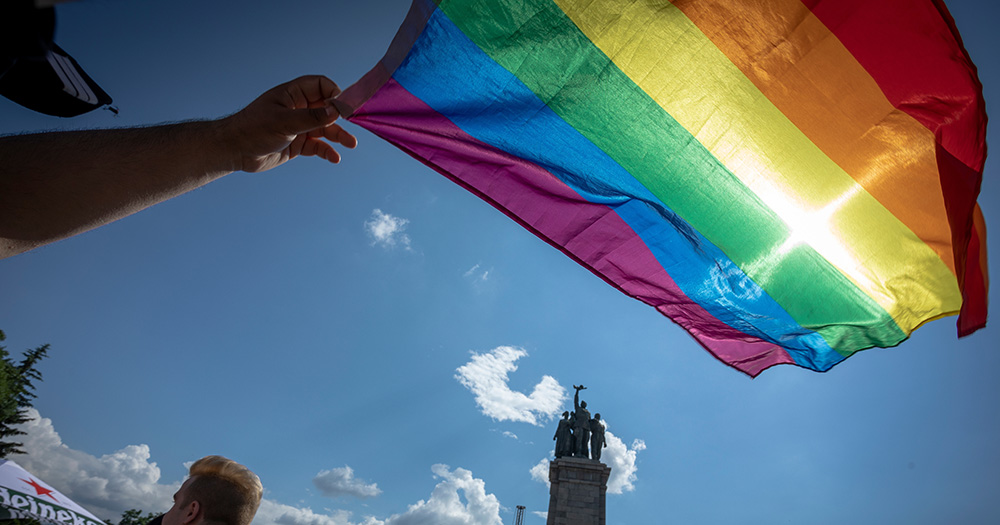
(42, 491)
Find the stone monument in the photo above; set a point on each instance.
(579, 484)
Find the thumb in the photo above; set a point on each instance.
(303, 120)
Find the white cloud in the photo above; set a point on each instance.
(341, 482)
(476, 275)
(126, 479)
(540, 472)
(480, 279)
(106, 485)
(273, 513)
(486, 377)
(620, 457)
(445, 506)
(509, 434)
(387, 230)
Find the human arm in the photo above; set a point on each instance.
(576, 396)
(55, 185)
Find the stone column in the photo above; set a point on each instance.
(577, 493)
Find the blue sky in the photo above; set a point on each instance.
(312, 322)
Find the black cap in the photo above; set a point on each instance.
(34, 71)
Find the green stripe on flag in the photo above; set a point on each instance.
(535, 41)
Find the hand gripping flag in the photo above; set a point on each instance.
(791, 181)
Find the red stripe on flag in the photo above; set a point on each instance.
(924, 70)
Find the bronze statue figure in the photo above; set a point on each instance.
(562, 437)
(597, 441)
(581, 424)
(577, 430)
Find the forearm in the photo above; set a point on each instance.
(54, 185)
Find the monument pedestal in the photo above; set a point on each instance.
(577, 493)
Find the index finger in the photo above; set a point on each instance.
(335, 133)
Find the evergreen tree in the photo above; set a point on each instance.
(16, 393)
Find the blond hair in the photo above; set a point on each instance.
(228, 492)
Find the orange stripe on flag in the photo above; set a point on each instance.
(815, 81)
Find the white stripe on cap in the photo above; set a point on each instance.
(73, 83)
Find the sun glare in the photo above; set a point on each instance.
(812, 227)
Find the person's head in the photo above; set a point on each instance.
(597, 417)
(565, 415)
(583, 404)
(217, 491)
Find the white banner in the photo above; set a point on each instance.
(23, 496)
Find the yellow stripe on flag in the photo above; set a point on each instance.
(667, 56)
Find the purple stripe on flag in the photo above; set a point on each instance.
(413, 26)
(549, 208)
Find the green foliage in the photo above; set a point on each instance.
(16, 393)
(15, 521)
(135, 517)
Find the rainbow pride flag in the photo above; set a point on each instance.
(791, 181)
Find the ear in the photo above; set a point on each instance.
(191, 512)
